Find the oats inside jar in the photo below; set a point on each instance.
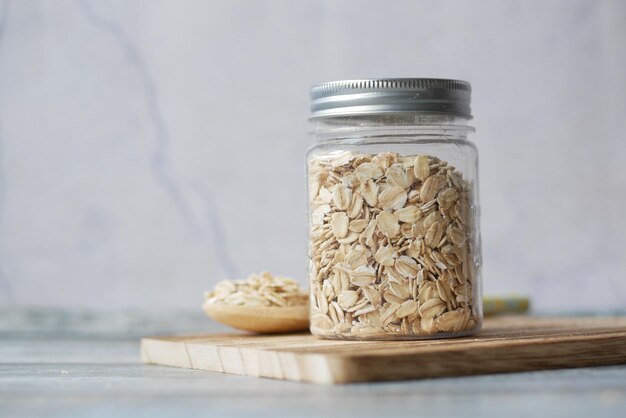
(392, 247)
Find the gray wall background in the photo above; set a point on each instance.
(152, 148)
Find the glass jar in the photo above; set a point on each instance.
(394, 239)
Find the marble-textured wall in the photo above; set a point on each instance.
(151, 148)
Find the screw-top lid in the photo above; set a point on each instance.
(391, 95)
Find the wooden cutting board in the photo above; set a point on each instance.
(506, 344)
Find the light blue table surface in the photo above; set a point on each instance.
(78, 364)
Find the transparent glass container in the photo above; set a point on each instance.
(394, 238)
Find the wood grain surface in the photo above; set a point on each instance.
(506, 344)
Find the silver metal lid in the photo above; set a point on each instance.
(391, 95)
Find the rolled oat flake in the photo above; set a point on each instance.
(394, 240)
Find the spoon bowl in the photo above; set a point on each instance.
(261, 319)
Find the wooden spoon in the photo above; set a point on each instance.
(261, 319)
